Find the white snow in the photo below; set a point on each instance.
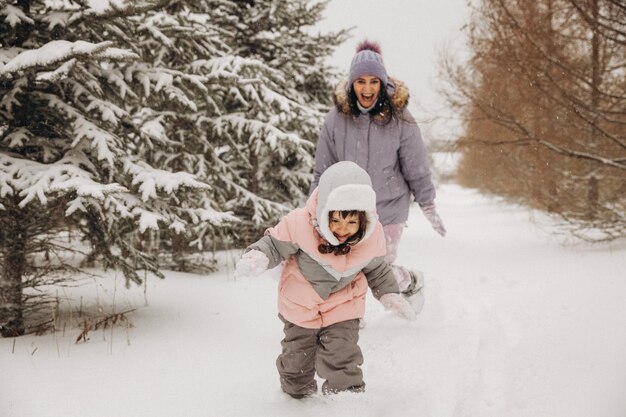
(58, 73)
(15, 16)
(147, 219)
(52, 52)
(155, 130)
(153, 179)
(35, 180)
(515, 323)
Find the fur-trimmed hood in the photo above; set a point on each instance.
(343, 186)
(398, 93)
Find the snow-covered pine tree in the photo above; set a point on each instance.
(177, 93)
(100, 128)
(84, 133)
(251, 129)
(271, 122)
(202, 132)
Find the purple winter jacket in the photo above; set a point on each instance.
(394, 154)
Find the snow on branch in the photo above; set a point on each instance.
(103, 142)
(54, 19)
(262, 207)
(9, 99)
(177, 95)
(60, 51)
(259, 131)
(234, 66)
(7, 53)
(212, 216)
(15, 16)
(110, 9)
(109, 111)
(114, 77)
(284, 103)
(116, 54)
(154, 129)
(18, 137)
(86, 187)
(151, 179)
(58, 73)
(31, 179)
(165, 80)
(148, 219)
(158, 35)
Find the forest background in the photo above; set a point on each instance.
(140, 135)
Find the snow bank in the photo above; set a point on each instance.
(515, 324)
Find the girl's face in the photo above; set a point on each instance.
(366, 89)
(344, 228)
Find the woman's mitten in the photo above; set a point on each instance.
(435, 221)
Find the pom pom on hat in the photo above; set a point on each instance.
(369, 45)
(368, 61)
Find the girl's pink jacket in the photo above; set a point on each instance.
(317, 290)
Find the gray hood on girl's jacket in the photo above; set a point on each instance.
(393, 154)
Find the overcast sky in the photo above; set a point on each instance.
(412, 34)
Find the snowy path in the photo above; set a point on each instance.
(514, 325)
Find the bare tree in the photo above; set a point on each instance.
(544, 103)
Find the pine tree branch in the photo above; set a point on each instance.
(115, 11)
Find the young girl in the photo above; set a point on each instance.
(334, 249)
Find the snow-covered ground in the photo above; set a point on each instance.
(515, 324)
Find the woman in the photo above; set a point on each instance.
(371, 125)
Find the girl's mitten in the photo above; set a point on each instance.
(251, 264)
(398, 305)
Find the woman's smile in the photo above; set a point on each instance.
(366, 88)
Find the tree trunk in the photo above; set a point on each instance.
(593, 194)
(14, 254)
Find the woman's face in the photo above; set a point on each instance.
(366, 89)
(344, 228)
